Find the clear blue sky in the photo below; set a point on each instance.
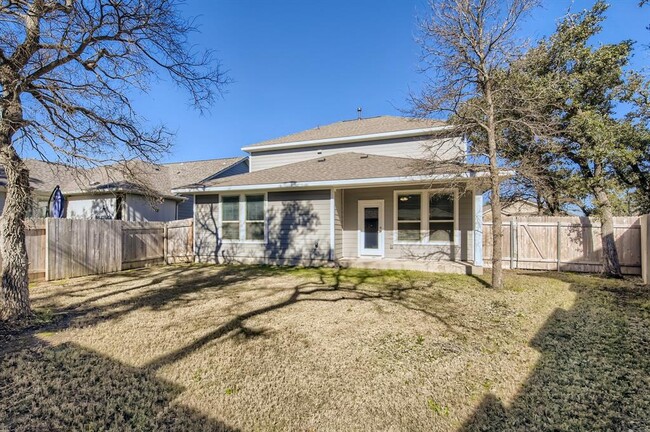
(297, 64)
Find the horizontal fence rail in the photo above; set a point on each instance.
(65, 248)
(564, 243)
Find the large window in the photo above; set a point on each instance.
(230, 218)
(242, 217)
(425, 217)
(409, 217)
(441, 218)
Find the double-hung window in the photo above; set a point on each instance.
(230, 218)
(409, 217)
(242, 218)
(425, 217)
(255, 217)
(441, 217)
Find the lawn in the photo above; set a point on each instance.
(255, 348)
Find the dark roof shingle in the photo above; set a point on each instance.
(132, 175)
(351, 128)
(339, 166)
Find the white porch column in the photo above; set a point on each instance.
(332, 223)
(478, 229)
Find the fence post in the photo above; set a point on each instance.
(165, 244)
(47, 248)
(645, 248)
(559, 246)
(513, 244)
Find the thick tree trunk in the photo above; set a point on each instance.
(14, 286)
(495, 198)
(14, 283)
(611, 264)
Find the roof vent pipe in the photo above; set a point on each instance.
(359, 110)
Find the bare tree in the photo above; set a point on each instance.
(67, 71)
(469, 47)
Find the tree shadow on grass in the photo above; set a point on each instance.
(330, 287)
(594, 370)
(67, 387)
(184, 286)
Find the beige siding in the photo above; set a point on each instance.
(416, 147)
(462, 251)
(138, 208)
(186, 208)
(338, 224)
(298, 231)
(91, 207)
(206, 228)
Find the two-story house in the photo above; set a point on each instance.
(345, 193)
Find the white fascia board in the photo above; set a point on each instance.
(113, 191)
(346, 139)
(340, 183)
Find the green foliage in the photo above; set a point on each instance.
(592, 145)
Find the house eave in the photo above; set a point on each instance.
(346, 139)
(341, 184)
(113, 191)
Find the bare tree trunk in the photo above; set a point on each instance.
(14, 288)
(611, 264)
(495, 198)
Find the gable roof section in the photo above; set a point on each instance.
(340, 167)
(350, 129)
(182, 173)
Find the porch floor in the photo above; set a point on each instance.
(458, 267)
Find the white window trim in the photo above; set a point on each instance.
(424, 216)
(242, 219)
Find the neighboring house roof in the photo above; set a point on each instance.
(353, 128)
(517, 208)
(135, 176)
(339, 167)
(182, 173)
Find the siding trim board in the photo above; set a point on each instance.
(478, 228)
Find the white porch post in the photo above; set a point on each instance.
(478, 229)
(332, 223)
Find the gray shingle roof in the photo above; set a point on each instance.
(133, 175)
(357, 127)
(339, 166)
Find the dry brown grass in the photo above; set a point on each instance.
(250, 348)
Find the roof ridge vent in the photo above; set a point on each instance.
(321, 160)
(363, 156)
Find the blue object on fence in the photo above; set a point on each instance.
(56, 204)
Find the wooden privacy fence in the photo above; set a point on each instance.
(64, 248)
(35, 242)
(564, 243)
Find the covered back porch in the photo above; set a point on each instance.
(408, 227)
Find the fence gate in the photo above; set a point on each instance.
(564, 243)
